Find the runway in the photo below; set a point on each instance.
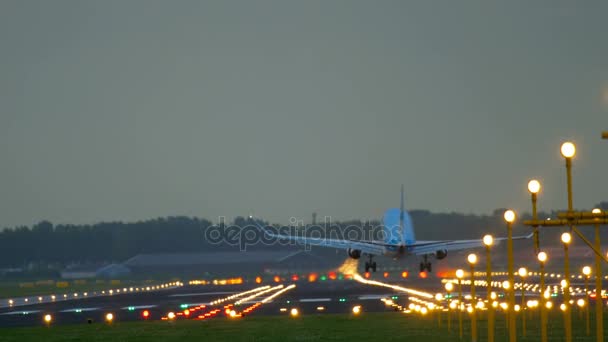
(322, 297)
(214, 300)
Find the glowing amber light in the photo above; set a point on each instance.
(587, 270)
(459, 273)
(488, 240)
(534, 186)
(568, 149)
(509, 216)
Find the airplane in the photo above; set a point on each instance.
(399, 241)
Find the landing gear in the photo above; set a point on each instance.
(370, 264)
(425, 265)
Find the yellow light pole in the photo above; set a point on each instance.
(459, 275)
(505, 306)
(488, 241)
(472, 259)
(587, 273)
(568, 150)
(449, 287)
(599, 319)
(534, 189)
(523, 272)
(438, 298)
(509, 217)
(566, 239)
(542, 259)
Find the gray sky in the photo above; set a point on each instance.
(126, 110)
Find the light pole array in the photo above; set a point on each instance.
(509, 217)
(572, 219)
(472, 259)
(488, 241)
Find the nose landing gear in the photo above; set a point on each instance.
(370, 264)
(425, 265)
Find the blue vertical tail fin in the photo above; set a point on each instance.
(398, 227)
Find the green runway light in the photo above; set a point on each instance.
(323, 278)
(342, 300)
(288, 301)
(340, 277)
(394, 297)
(184, 306)
(78, 310)
(131, 308)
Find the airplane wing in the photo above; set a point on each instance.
(365, 247)
(429, 247)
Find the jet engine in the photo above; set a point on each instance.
(354, 253)
(440, 254)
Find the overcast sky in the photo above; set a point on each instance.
(128, 110)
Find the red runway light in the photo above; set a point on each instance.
(295, 277)
(145, 314)
(332, 275)
(277, 279)
(367, 275)
(423, 275)
(385, 274)
(404, 274)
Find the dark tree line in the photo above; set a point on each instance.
(118, 241)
